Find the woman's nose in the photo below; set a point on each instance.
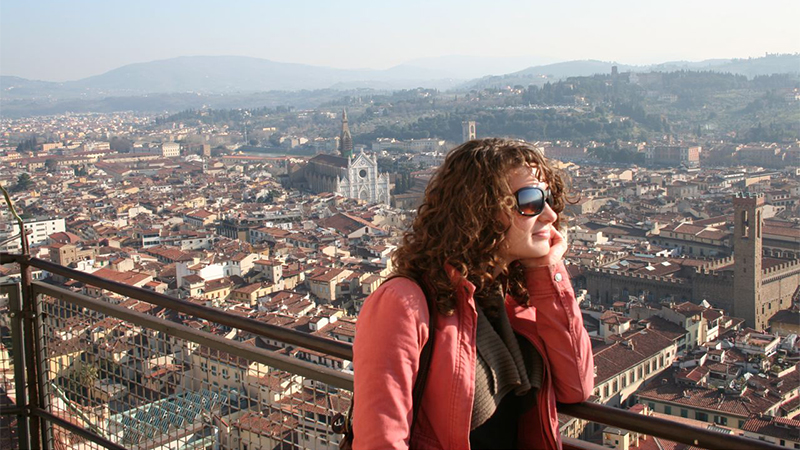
(548, 214)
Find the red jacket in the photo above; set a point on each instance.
(393, 327)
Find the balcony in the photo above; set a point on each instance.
(154, 371)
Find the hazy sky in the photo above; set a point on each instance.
(72, 39)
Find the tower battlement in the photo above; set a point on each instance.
(641, 276)
(714, 265)
(782, 267)
(748, 200)
(710, 276)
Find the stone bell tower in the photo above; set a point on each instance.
(747, 253)
(345, 139)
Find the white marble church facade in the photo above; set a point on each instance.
(354, 177)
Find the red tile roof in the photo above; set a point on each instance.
(778, 427)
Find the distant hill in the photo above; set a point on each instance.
(470, 67)
(770, 64)
(220, 80)
(221, 74)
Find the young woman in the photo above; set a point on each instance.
(509, 340)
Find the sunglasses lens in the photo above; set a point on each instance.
(530, 201)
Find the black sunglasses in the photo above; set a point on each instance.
(531, 200)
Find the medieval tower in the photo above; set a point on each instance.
(345, 139)
(748, 223)
(468, 131)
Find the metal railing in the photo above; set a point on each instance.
(157, 372)
(134, 375)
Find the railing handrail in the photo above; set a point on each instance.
(653, 426)
(329, 346)
(661, 427)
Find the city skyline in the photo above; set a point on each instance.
(55, 41)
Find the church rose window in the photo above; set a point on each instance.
(362, 173)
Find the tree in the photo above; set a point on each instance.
(27, 146)
(275, 139)
(51, 165)
(24, 183)
(121, 145)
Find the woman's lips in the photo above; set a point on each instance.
(544, 234)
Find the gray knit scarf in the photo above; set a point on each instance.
(505, 362)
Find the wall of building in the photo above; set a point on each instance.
(607, 286)
(691, 412)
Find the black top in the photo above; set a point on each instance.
(500, 431)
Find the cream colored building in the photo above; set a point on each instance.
(170, 149)
(324, 285)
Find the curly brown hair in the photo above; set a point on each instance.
(457, 223)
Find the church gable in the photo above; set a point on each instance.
(362, 168)
(362, 161)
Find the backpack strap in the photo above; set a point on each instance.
(424, 359)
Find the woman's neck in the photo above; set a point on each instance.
(499, 269)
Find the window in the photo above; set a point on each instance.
(667, 410)
(701, 416)
(741, 424)
(651, 405)
(640, 370)
(214, 370)
(684, 413)
(624, 379)
(225, 374)
(720, 420)
(616, 386)
(605, 391)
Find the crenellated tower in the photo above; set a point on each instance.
(747, 253)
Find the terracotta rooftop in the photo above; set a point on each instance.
(778, 427)
(706, 398)
(618, 357)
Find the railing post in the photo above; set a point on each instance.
(31, 354)
(18, 347)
